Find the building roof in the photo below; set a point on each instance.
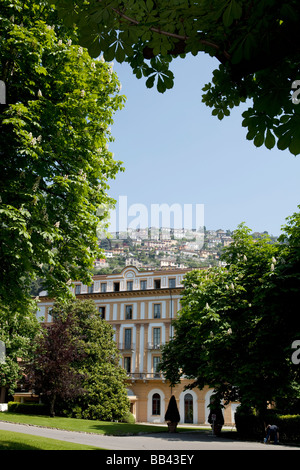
(130, 273)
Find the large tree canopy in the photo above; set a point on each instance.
(76, 364)
(51, 372)
(55, 164)
(237, 324)
(105, 394)
(255, 42)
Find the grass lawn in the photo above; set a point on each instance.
(81, 425)
(86, 425)
(10, 440)
(17, 441)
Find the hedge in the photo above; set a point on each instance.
(251, 426)
(42, 409)
(28, 408)
(289, 428)
(128, 418)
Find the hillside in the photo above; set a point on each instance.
(168, 249)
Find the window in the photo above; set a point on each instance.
(156, 404)
(49, 314)
(102, 312)
(156, 337)
(129, 285)
(156, 362)
(188, 408)
(156, 310)
(116, 286)
(172, 283)
(103, 287)
(156, 283)
(127, 338)
(143, 285)
(77, 289)
(127, 364)
(91, 289)
(128, 312)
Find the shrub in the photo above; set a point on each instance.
(289, 428)
(128, 418)
(172, 413)
(248, 424)
(28, 408)
(251, 426)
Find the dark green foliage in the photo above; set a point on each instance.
(252, 426)
(289, 428)
(215, 411)
(237, 324)
(18, 330)
(172, 414)
(51, 373)
(255, 43)
(54, 159)
(249, 425)
(105, 394)
(28, 408)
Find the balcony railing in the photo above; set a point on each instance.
(145, 375)
(155, 346)
(126, 346)
(131, 346)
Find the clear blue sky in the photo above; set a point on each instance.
(175, 151)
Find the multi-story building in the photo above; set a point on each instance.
(140, 306)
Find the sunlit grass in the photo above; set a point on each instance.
(86, 425)
(10, 440)
(81, 425)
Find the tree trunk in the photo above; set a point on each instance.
(52, 403)
(2, 394)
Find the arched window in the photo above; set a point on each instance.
(188, 408)
(156, 404)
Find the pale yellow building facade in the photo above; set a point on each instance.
(140, 306)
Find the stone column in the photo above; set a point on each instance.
(145, 352)
(167, 330)
(137, 347)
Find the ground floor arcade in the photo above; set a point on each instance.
(149, 400)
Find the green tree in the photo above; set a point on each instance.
(235, 329)
(17, 332)
(51, 373)
(105, 396)
(55, 164)
(256, 44)
(279, 302)
(172, 414)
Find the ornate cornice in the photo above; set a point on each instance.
(123, 294)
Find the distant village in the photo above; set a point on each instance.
(149, 249)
